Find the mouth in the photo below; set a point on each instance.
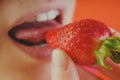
(30, 35)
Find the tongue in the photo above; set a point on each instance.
(34, 32)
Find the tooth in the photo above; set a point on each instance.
(52, 14)
(56, 12)
(41, 17)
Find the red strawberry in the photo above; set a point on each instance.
(84, 41)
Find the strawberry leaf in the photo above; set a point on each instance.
(110, 48)
(101, 54)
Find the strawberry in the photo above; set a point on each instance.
(86, 42)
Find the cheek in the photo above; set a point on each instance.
(11, 11)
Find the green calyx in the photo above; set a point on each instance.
(109, 48)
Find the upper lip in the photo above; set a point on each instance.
(35, 12)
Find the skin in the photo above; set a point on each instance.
(15, 65)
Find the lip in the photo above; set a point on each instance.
(43, 51)
(55, 6)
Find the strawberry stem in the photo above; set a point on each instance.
(109, 48)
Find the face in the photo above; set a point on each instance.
(23, 25)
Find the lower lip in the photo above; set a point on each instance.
(39, 52)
